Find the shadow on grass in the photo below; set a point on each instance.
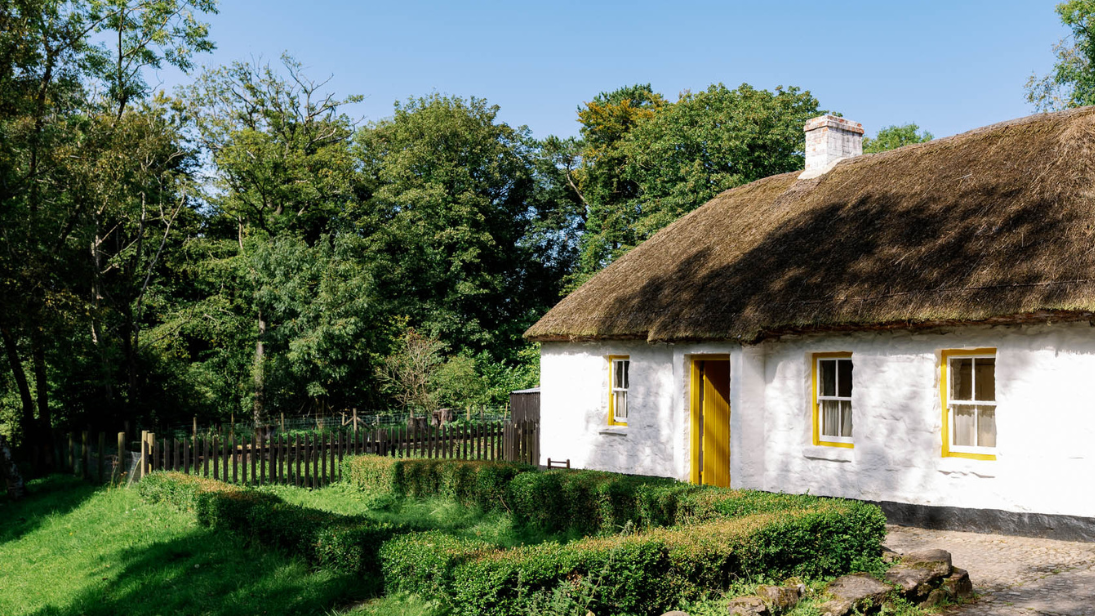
(49, 496)
(206, 572)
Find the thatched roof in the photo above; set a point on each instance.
(992, 225)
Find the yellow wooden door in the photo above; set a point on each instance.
(711, 422)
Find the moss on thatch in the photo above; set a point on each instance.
(987, 226)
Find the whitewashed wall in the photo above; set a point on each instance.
(1045, 380)
(1045, 392)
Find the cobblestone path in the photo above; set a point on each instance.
(1015, 576)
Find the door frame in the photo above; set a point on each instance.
(695, 412)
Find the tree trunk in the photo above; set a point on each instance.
(260, 402)
(26, 422)
(41, 382)
(9, 472)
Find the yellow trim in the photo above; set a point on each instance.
(695, 410)
(611, 396)
(814, 414)
(944, 361)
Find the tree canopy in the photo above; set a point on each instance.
(893, 136)
(244, 246)
(1071, 83)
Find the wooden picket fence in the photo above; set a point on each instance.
(315, 460)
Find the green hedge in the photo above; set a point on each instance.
(468, 482)
(645, 573)
(591, 502)
(348, 544)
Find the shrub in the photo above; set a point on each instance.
(348, 544)
(422, 563)
(377, 474)
(469, 482)
(648, 572)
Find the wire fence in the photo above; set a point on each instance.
(340, 423)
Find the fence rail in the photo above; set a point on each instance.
(304, 460)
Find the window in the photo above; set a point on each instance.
(832, 377)
(617, 396)
(968, 388)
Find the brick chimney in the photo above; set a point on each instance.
(830, 139)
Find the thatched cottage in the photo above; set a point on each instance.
(915, 328)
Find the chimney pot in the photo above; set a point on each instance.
(830, 139)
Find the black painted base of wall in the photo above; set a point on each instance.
(1062, 527)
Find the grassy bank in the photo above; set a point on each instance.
(69, 548)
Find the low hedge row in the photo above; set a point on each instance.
(598, 502)
(636, 574)
(346, 544)
(468, 482)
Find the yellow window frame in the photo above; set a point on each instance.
(944, 363)
(815, 411)
(612, 359)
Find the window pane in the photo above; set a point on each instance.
(963, 425)
(619, 404)
(986, 426)
(844, 382)
(985, 367)
(626, 369)
(830, 418)
(961, 376)
(827, 385)
(846, 411)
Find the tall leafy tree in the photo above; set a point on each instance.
(447, 191)
(66, 92)
(893, 137)
(596, 172)
(283, 188)
(1071, 83)
(710, 141)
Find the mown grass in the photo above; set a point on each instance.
(69, 548)
(432, 513)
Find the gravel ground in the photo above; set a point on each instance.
(1013, 575)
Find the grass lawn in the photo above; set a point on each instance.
(70, 548)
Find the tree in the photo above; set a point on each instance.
(447, 193)
(60, 133)
(285, 183)
(1072, 81)
(711, 141)
(409, 372)
(595, 171)
(892, 137)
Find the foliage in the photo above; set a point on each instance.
(651, 571)
(346, 544)
(69, 548)
(468, 482)
(1072, 81)
(893, 137)
(645, 162)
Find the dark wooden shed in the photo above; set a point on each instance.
(524, 404)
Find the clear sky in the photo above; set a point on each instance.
(949, 66)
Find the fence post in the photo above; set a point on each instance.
(121, 457)
(195, 430)
(144, 454)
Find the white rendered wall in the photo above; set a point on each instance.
(574, 406)
(1045, 393)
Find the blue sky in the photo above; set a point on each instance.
(948, 66)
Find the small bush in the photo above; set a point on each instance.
(649, 572)
(422, 563)
(348, 544)
(469, 482)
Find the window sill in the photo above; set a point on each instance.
(952, 464)
(826, 452)
(614, 430)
